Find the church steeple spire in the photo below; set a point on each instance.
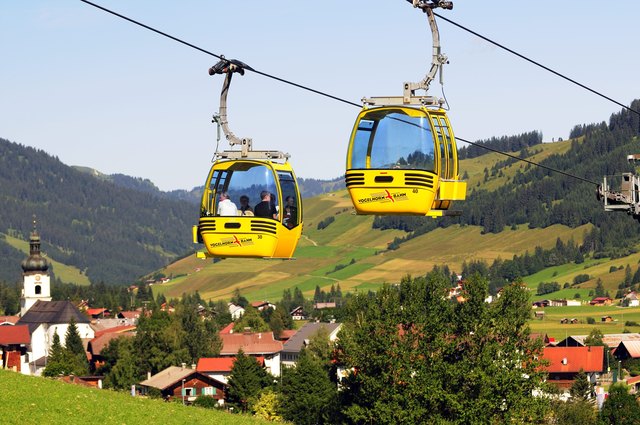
(35, 262)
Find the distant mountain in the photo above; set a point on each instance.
(113, 228)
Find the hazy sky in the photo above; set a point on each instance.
(98, 91)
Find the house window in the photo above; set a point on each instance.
(38, 290)
(209, 391)
(188, 392)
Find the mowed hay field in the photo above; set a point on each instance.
(350, 242)
(359, 253)
(552, 326)
(35, 400)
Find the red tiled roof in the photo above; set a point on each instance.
(129, 314)
(227, 329)
(589, 359)
(251, 343)
(220, 364)
(287, 333)
(257, 304)
(115, 330)
(633, 380)
(9, 319)
(18, 334)
(96, 311)
(97, 344)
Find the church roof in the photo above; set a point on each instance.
(51, 312)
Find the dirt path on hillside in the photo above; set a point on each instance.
(310, 240)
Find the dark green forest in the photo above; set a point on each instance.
(112, 233)
(539, 198)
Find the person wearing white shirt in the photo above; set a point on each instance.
(225, 206)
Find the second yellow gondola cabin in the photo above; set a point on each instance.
(402, 156)
(251, 205)
(403, 160)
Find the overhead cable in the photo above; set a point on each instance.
(273, 77)
(546, 68)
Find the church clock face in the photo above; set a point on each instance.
(37, 278)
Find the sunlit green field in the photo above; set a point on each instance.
(65, 273)
(551, 323)
(35, 400)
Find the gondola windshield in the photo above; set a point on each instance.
(243, 180)
(393, 139)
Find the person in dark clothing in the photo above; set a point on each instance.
(265, 208)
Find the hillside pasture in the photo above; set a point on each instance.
(552, 326)
(66, 273)
(36, 400)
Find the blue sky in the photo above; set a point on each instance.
(100, 92)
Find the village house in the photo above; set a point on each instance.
(295, 344)
(235, 311)
(546, 340)
(633, 383)
(298, 314)
(132, 316)
(263, 305)
(186, 384)
(286, 334)
(258, 344)
(322, 306)
(102, 340)
(600, 301)
(14, 341)
(566, 362)
(611, 340)
(627, 350)
(219, 368)
(631, 300)
(97, 313)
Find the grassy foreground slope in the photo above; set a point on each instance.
(34, 400)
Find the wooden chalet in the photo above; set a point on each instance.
(185, 384)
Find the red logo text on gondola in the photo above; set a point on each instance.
(233, 241)
(384, 197)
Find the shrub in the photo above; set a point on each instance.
(591, 320)
(326, 222)
(631, 323)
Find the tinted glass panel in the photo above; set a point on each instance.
(245, 183)
(394, 140)
(361, 144)
(291, 209)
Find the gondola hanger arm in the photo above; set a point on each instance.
(229, 67)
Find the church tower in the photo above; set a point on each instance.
(35, 275)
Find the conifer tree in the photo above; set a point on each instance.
(246, 380)
(56, 362)
(581, 389)
(308, 395)
(74, 350)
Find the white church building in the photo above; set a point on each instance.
(43, 316)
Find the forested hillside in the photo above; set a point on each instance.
(539, 197)
(111, 233)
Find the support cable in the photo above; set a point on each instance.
(282, 80)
